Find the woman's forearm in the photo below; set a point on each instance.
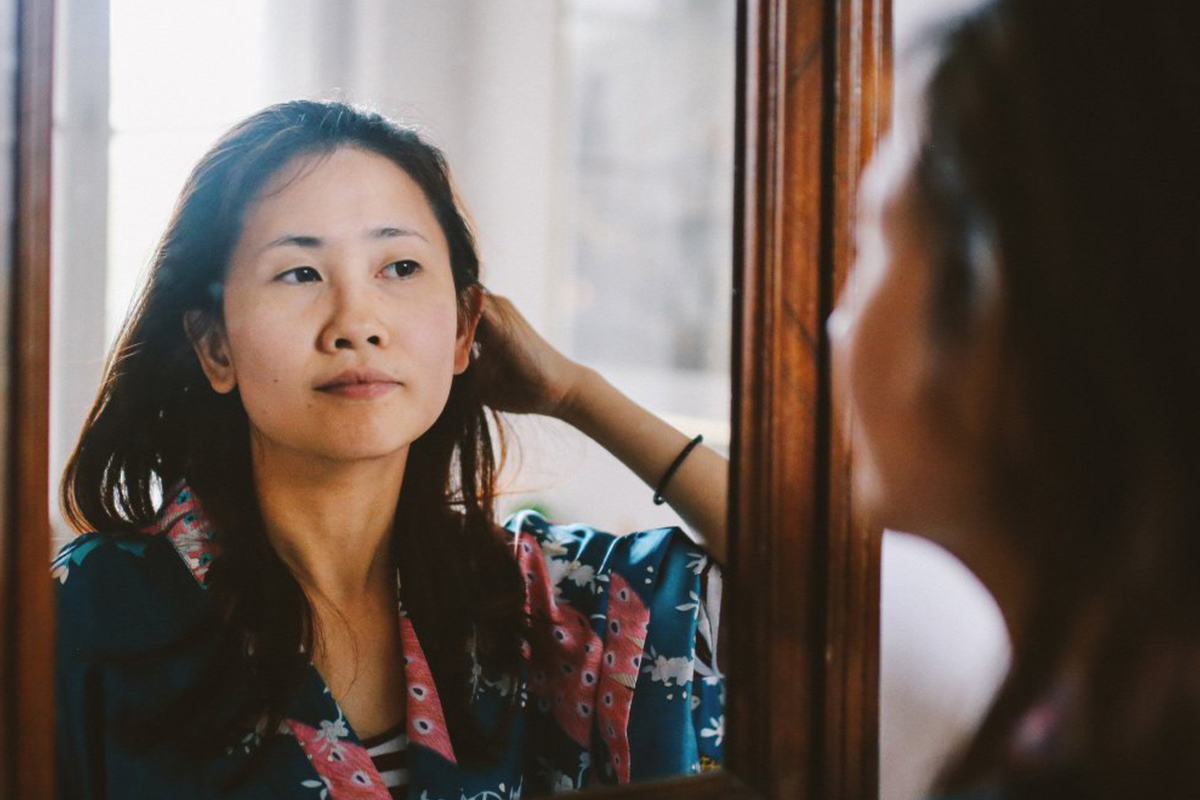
(648, 445)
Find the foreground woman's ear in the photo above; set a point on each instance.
(470, 308)
(212, 349)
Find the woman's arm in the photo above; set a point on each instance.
(523, 373)
(648, 446)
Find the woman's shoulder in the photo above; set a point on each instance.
(533, 524)
(117, 592)
(581, 549)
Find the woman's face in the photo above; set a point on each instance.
(341, 327)
(920, 408)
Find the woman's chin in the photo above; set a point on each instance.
(341, 448)
(366, 450)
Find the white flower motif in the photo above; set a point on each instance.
(560, 569)
(698, 562)
(323, 784)
(582, 575)
(552, 548)
(667, 670)
(717, 730)
(333, 730)
(505, 685)
(693, 606)
(331, 733)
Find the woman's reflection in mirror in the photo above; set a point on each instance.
(293, 578)
(1022, 357)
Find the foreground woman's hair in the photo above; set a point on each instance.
(1063, 136)
(156, 421)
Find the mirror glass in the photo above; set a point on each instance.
(590, 143)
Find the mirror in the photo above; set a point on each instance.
(591, 144)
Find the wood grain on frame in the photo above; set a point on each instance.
(861, 113)
(803, 577)
(28, 705)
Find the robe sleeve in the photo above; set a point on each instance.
(79, 702)
(116, 596)
(622, 646)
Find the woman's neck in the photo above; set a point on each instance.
(331, 521)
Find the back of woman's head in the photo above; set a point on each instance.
(157, 421)
(1060, 149)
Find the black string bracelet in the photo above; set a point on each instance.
(670, 473)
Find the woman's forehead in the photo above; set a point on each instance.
(341, 193)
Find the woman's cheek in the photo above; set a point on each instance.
(877, 363)
(266, 388)
(431, 341)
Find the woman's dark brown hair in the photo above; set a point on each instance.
(157, 421)
(1063, 137)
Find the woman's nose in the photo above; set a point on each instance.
(353, 322)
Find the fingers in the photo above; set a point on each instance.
(499, 311)
(497, 322)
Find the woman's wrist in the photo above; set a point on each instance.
(581, 388)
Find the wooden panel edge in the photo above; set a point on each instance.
(774, 710)
(29, 699)
(860, 115)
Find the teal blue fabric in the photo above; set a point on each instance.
(122, 597)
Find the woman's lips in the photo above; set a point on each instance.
(360, 390)
(359, 383)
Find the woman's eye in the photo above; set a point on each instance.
(300, 275)
(402, 269)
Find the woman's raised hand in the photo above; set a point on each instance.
(518, 370)
(522, 373)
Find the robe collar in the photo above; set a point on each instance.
(315, 720)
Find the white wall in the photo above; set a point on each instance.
(79, 231)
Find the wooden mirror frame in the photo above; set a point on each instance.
(813, 96)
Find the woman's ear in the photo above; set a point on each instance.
(470, 310)
(212, 348)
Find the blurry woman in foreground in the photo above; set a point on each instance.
(1022, 355)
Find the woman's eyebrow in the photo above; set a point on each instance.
(392, 233)
(314, 242)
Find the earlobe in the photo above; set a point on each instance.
(212, 350)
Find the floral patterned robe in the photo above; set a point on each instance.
(618, 681)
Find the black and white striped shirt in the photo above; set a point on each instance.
(389, 752)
